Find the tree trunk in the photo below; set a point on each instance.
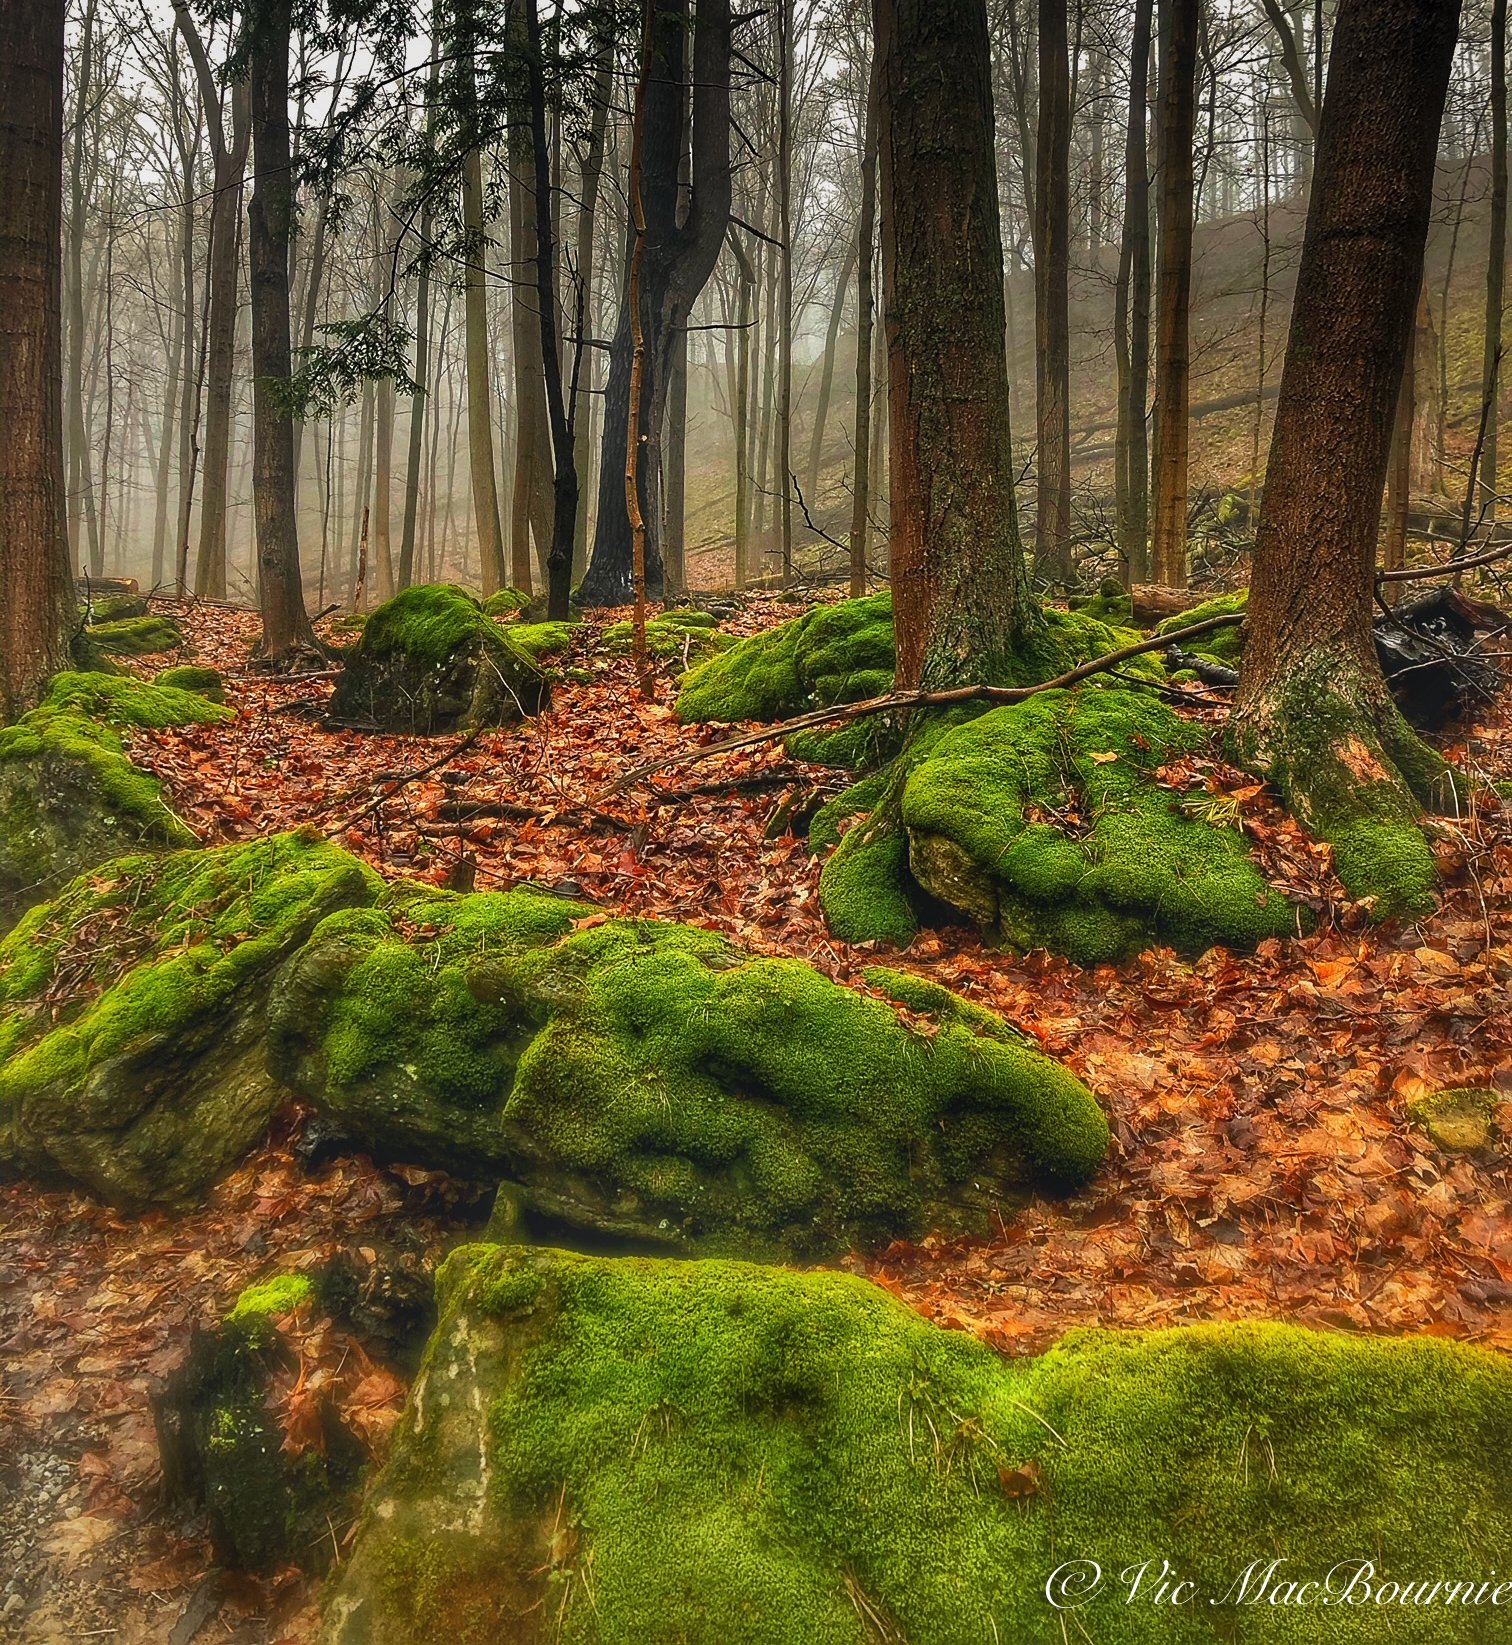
(1313, 712)
(684, 232)
(1131, 331)
(37, 610)
(827, 374)
(1496, 265)
(745, 314)
(530, 517)
(286, 632)
(591, 173)
(1052, 298)
(1178, 115)
(865, 303)
(675, 489)
(960, 589)
(785, 319)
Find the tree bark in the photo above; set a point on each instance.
(1313, 711)
(1178, 114)
(680, 249)
(229, 156)
(590, 179)
(865, 304)
(1131, 331)
(960, 589)
(785, 319)
(1496, 265)
(1052, 297)
(37, 609)
(286, 635)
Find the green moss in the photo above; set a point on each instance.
(635, 1450)
(69, 795)
(1224, 645)
(204, 682)
(672, 635)
(430, 661)
(540, 640)
(833, 653)
(1110, 604)
(1458, 1120)
(506, 602)
(650, 1081)
(259, 1304)
(131, 1013)
(864, 886)
(1046, 818)
(112, 608)
(137, 636)
(123, 700)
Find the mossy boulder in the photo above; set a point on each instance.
(831, 654)
(652, 1083)
(1458, 1120)
(1046, 821)
(1112, 603)
(204, 682)
(136, 636)
(115, 608)
(1224, 645)
(223, 1450)
(506, 602)
(430, 661)
(132, 1014)
(623, 1451)
(69, 795)
(540, 641)
(672, 636)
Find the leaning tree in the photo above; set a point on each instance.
(1313, 710)
(37, 608)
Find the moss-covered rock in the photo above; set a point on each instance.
(69, 795)
(506, 602)
(223, 1451)
(624, 1451)
(831, 654)
(540, 641)
(1458, 1120)
(204, 682)
(137, 636)
(1046, 820)
(430, 661)
(1112, 603)
(1224, 645)
(672, 636)
(650, 1082)
(132, 1025)
(115, 608)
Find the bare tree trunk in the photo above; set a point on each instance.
(80, 478)
(531, 514)
(785, 322)
(1052, 271)
(960, 589)
(37, 609)
(1496, 265)
(362, 492)
(1131, 330)
(745, 281)
(590, 178)
(827, 373)
(674, 491)
(421, 397)
(1313, 711)
(865, 304)
(1178, 113)
(286, 632)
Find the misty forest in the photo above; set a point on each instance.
(755, 822)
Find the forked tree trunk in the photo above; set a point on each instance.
(960, 588)
(1178, 116)
(1313, 710)
(37, 611)
(1052, 297)
(286, 625)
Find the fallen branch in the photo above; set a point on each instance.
(1450, 568)
(1000, 694)
(404, 780)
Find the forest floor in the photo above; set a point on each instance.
(1263, 1163)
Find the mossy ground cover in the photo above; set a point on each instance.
(672, 636)
(431, 660)
(633, 1450)
(1223, 645)
(70, 796)
(136, 636)
(651, 1082)
(132, 1038)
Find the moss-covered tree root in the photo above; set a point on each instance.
(622, 1451)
